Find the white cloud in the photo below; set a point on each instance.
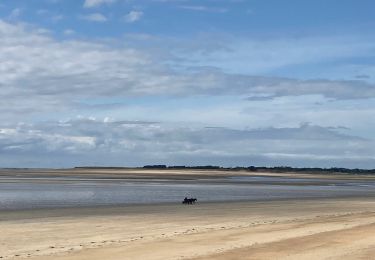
(50, 15)
(15, 13)
(95, 17)
(133, 16)
(53, 1)
(42, 12)
(96, 3)
(203, 8)
(57, 17)
(267, 55)
(69, 32)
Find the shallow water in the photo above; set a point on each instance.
(55, 193)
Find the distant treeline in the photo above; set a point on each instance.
(279, 169)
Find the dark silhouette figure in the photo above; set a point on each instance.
(189, 201)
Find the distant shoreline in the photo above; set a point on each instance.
(260, 169)
(277, 169)
(209, 168)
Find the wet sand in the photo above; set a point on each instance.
(168, 174)
(292, 229)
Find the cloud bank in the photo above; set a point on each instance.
(50, 72)
(127, 142)
(44, 80)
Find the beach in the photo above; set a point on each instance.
(328, 229)
(308, 228)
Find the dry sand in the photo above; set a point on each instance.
(309, 229)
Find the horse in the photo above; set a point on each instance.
(189, 201)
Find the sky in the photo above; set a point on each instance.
(186, 82)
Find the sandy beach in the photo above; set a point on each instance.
(291, 229)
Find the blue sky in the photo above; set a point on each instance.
(225, 82)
